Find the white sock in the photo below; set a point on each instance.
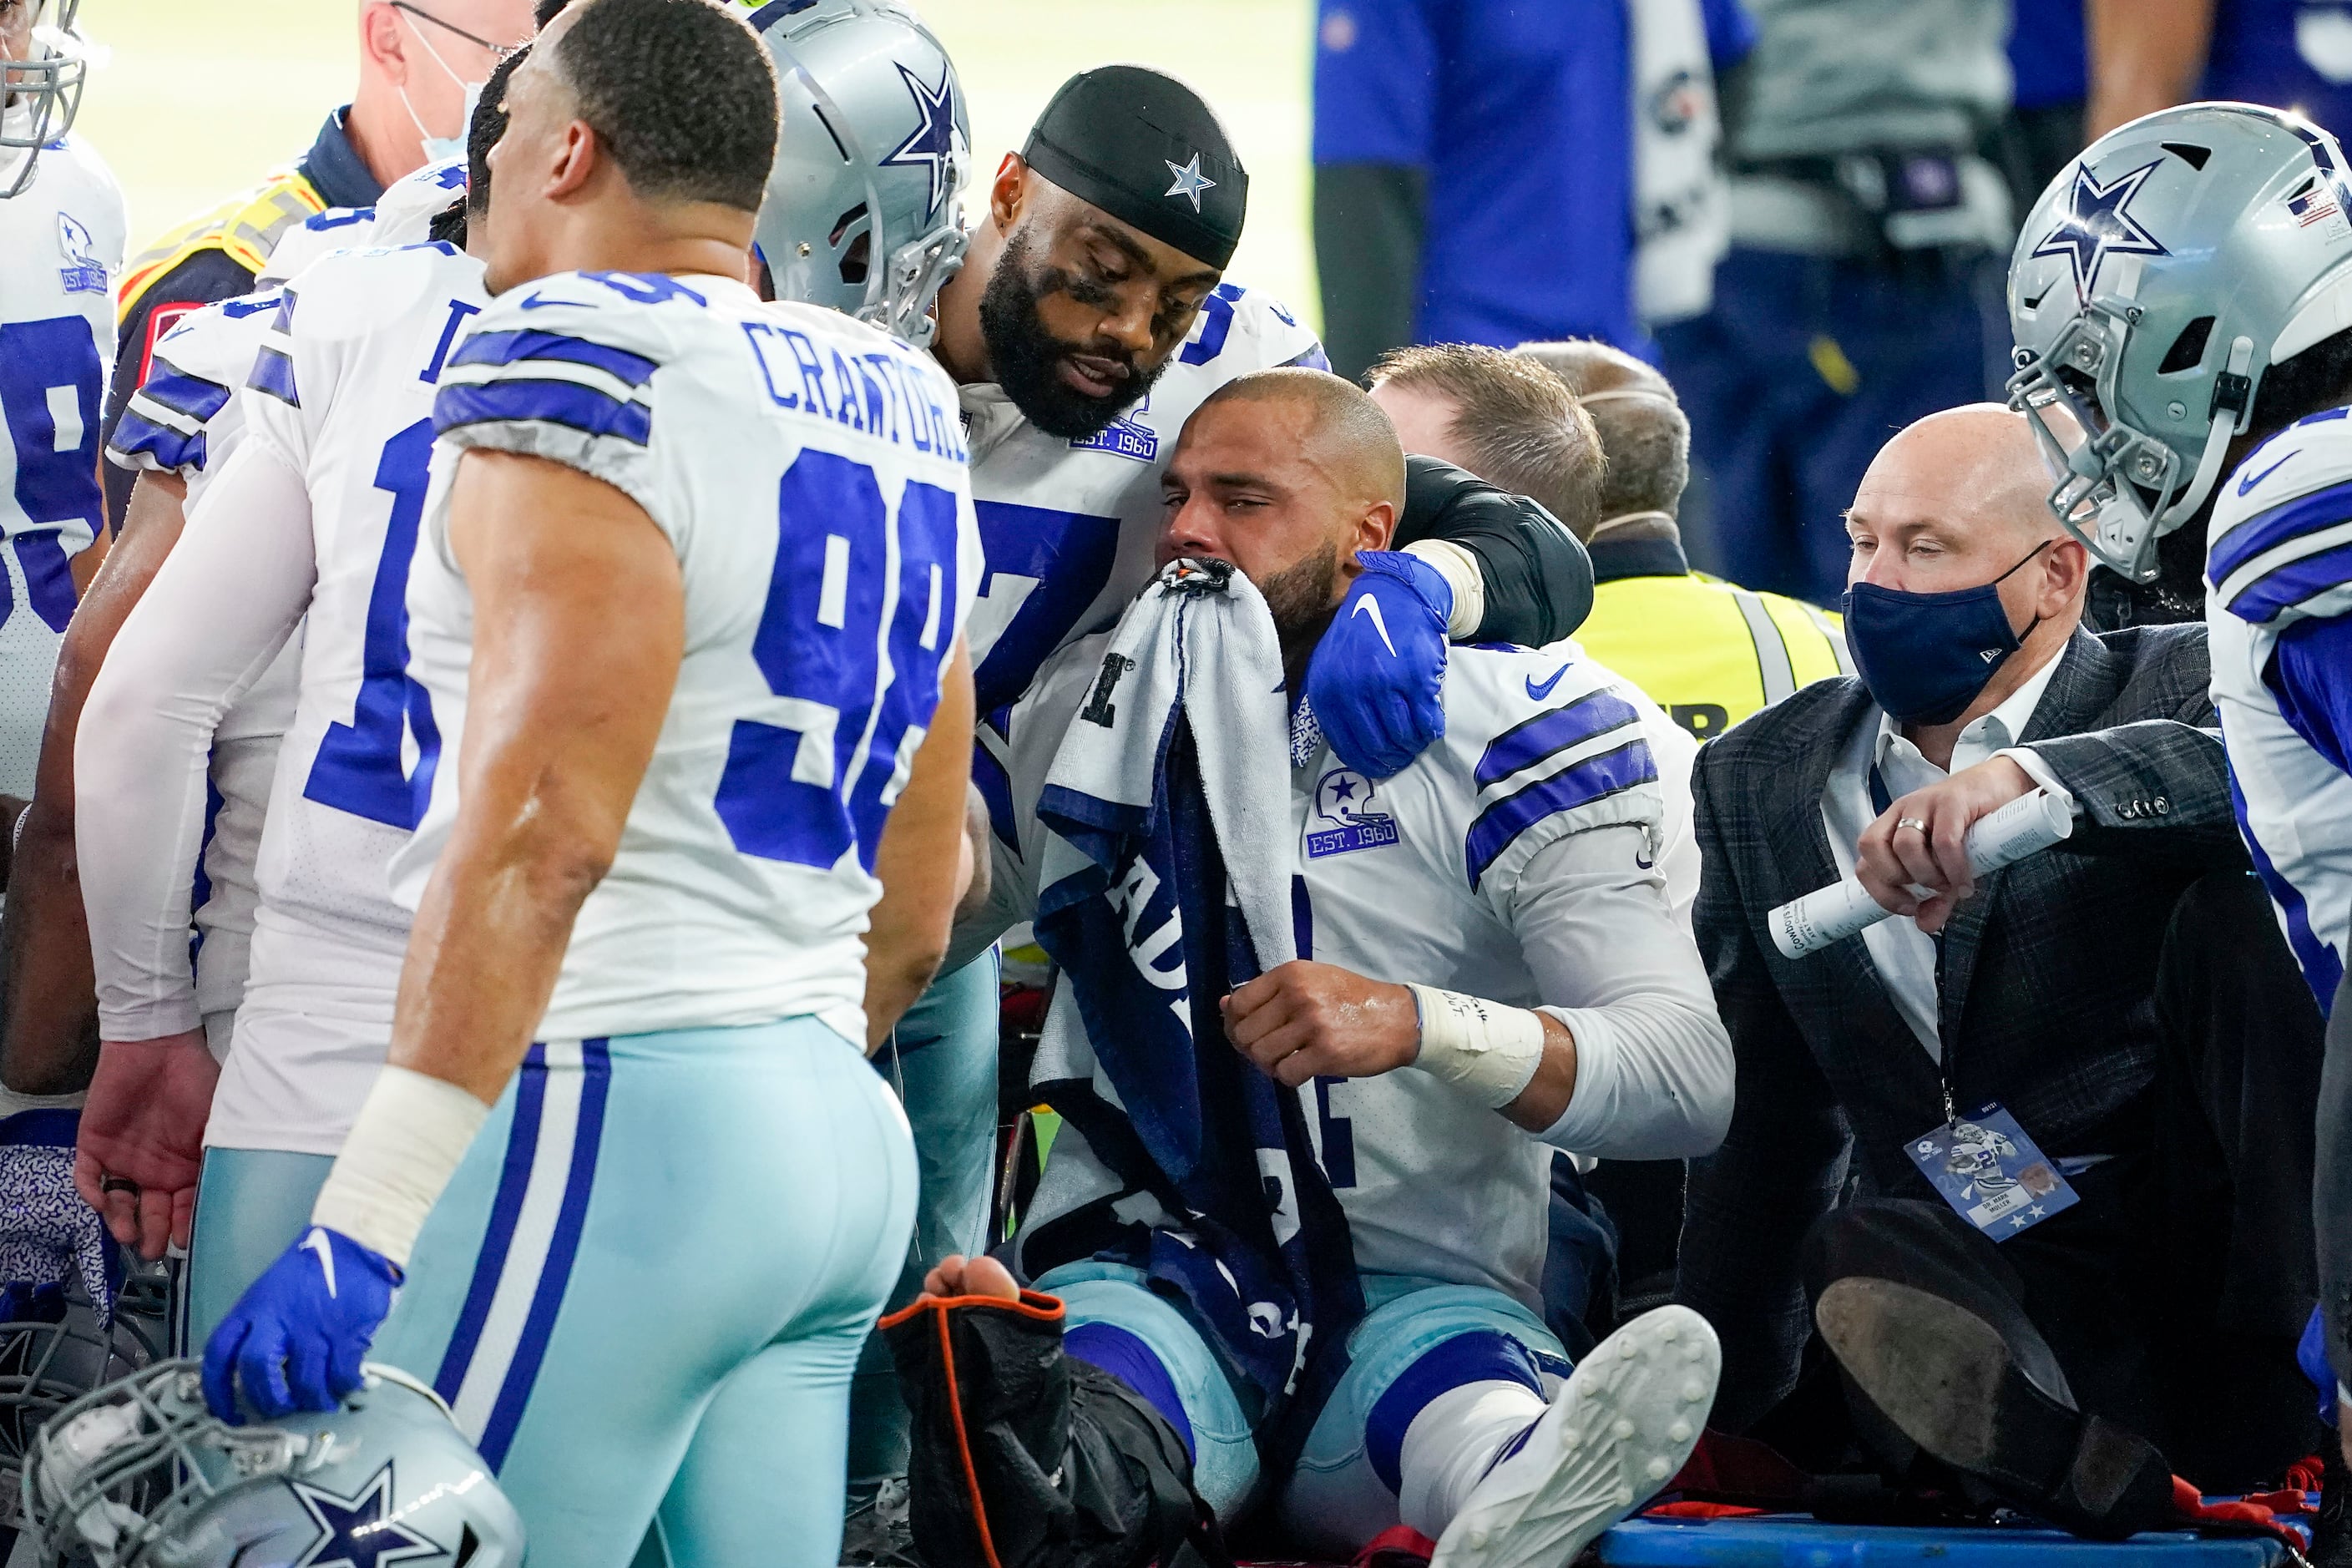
(1452, 1444)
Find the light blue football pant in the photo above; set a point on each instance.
(1335, 1498)
(645, 1289)
(945, 1062)
(251, 1206)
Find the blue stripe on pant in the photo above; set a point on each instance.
(645, 1289)
(1335, 1498)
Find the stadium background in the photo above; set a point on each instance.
(201, 96)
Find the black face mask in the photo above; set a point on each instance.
(1027, 359)
(1925, 656)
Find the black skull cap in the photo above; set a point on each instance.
(1148, 150)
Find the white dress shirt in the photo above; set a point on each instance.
(1904, 955)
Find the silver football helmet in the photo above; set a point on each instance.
(2154, 284)
(69, 1318)
(43, 90)
(863, 212)
(141, 1474)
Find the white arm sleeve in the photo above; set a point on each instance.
(208, 626)
(1615, 964)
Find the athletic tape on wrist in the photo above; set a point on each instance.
(1460, 569)
(1487, 1050)
(402, 1150)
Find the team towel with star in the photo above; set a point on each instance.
(1166, 881)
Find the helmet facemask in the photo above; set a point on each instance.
(2118, 490)
(42, 91)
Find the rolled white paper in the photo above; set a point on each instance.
(2026, 825)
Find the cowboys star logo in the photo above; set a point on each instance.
(2098, 224)
(355, 1532)
(936, 142)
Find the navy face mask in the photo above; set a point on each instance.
(1925, 656)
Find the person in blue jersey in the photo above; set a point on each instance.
(685, 631)
(1491, 172)
(2147, 55)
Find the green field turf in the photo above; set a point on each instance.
(201, 96)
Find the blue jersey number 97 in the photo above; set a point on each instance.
(809, 786)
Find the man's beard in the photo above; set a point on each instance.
(1301, 597)
(1027, 359)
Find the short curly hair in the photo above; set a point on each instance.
(682, 92)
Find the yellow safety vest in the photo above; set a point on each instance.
(1709, 652)
(248, 227)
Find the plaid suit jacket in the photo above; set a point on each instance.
(2049, 972)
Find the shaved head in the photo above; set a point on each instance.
(1349, 432)
(1287, 474)
(1976, 465)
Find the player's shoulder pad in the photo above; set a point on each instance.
(346, 297)
(1241, 329)
(566, 365)
(245, 227)
(191, 376)
(1550, 741)
(2280, 542)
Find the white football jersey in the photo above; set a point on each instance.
(2281, 551)
(402, 215)
(185, 420)
(1417, 879)
(809, 471)
(61, 244)
(342, 390)
(1069, 527)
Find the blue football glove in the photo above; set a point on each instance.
(1374, 679)
(295, 1338)
(2311, 1355)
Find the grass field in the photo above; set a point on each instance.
(202, 96)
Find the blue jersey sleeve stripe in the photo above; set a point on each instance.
(273, 373)
(2304, 577)
(170, 448)
(513, 347)
(1594, 779)
(181, 393)
(1531, 742)
(2320, 508)
(566, 403)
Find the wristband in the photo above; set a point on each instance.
(402, 1150)
(1462, 574)
(1487, 1050)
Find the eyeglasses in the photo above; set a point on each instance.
(504, 52)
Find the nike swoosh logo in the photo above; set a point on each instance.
(1538, 693)
(316, 1242)
(1380, 625)
(2247, 484)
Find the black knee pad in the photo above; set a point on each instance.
(1024, 1457)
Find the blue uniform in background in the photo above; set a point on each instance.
(1517, 115)
(2292, 54)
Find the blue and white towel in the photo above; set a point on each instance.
(49, 1238)
(1166, 881)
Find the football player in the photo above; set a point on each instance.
(1090, 317)
(61, 236)
(421, 64)
(2181, 300)
(314, 516)
(178, 428)
(1491, 969)
(685, 608)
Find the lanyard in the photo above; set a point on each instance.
(1883, 801)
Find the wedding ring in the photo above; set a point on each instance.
(117, 1184)
(1911, 822)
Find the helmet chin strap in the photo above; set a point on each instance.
(2217, 440)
